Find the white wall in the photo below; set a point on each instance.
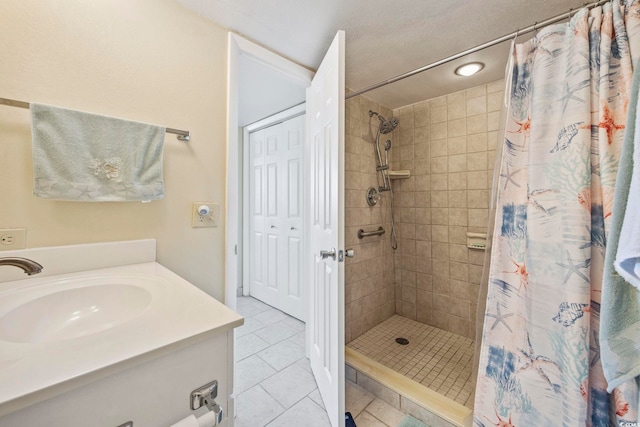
(143, 60)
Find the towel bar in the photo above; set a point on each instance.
(182, 135)
(378, 232)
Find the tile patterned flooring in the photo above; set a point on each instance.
(274, 385)
(438, 359)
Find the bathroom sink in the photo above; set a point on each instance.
(69, 310)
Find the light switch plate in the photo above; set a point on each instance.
(12, 239)
(209, 220)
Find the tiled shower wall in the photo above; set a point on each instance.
(369, 277)
(448, 144)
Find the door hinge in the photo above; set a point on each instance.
(236, 249)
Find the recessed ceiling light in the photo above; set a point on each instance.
(469, 69)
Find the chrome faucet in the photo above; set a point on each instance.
(28, 266)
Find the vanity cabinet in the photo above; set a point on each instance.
(152, 392)
(107, 337)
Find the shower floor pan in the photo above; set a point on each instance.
(433, 371)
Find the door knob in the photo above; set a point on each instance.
(327, 254)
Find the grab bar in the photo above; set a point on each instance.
(378, 232)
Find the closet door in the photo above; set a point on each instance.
(291, 160)
(276, 216)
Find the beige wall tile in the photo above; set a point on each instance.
(477, 180)
(448, 144)
(460, 289)
(421, 151)
(458, 163)
(440, 251)
(457, 145)
(478, 199)
(406, 152)
(439, 199)
(459, 271)
(421, 117)
(439, 181)
(422, 134)
(441, 285)
(440, 216)
(475, 273)
(423, 249)
(477, 142)
(458, 199)
(406, 137)
(440, 267)
(424, 282)
(423, 232)
(458, 235)
(458, 216)
(457, 181)
(438, 102)
(478, 218)
(495, 86)
(422, 182)
(476, 257)
(456, 127)
(460, 308)
(438, 164)
(421, 167)
(477, 161)
(458, 253)
(423, 199)
(438, 147)
(423, 216)
(476, 91)
(494, 101)
(440, 233)
(455, 106)
(476, 124)
(477, 105)
(438, 114)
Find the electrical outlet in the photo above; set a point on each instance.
(12, 239)
(205, 214)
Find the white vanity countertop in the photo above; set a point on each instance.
(178, 315)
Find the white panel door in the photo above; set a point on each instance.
(325, 142)
(292, 210)
(276, 226)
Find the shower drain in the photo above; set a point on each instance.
(402, 341)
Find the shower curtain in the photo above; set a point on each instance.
(539, 360)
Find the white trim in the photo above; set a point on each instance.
(263, 56)
(280, 117)
(232, 227)
(238, 46)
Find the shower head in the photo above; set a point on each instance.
(387, 126)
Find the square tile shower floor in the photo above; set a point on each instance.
(435, 358)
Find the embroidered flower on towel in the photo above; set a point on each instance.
(107, 168)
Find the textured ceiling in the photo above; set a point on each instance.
(385, 38)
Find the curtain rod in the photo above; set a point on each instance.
(483, 46)
(182, 135)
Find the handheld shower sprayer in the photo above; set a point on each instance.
(385, 127)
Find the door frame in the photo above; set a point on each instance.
(283, 116)
(239, 46)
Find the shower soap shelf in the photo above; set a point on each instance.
(399, 174)
(477, 241)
